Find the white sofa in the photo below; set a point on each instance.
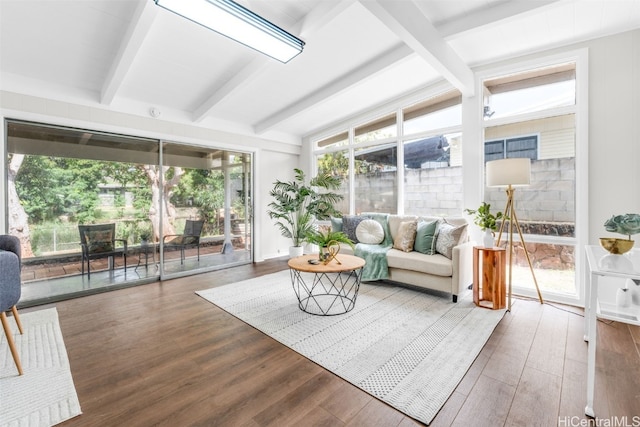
(435, 272)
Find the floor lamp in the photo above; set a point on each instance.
(510, 173)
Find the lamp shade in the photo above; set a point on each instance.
(503, 172)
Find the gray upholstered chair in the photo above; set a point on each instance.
(190, 237)
(10, 287)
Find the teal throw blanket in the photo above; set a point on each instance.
(376, 267)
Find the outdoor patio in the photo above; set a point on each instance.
(53, 279)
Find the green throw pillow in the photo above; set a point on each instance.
(426, 237)
(336, 224)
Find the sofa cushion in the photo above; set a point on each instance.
(349, 225)
(449, 236)
(406, 236)
(370, 232)
(394, 223)
(426, 234)
(336, 224)
(438, 265)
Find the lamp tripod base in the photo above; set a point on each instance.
(510, 214)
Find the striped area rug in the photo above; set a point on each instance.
(45, 394)
(407, 348)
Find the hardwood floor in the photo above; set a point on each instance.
(158, 354)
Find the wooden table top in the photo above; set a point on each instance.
(348, 263)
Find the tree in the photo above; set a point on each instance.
(172, 176)
(18, 218)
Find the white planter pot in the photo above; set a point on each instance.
(295, 251)
(487, 239)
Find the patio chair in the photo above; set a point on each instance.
(189, 238)
(10, 287)
(98, 241)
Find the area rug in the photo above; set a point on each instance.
(44, 395)
(407, 348)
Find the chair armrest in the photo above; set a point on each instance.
(123, 241)
(12, 244)
(462, 263)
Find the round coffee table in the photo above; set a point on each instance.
(326, 289)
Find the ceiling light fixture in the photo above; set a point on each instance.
(238, 23)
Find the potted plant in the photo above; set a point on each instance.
(145, 234)
(627, 224)
(326, 240)
(297, 204)
(487, 222)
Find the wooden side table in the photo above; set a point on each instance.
(489, 284)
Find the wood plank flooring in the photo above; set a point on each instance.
(158, 354)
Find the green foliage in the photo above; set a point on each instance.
(55, 190)
(297, 204)
(54, 236)
(484, 218)
(325, 238)
(337, 164)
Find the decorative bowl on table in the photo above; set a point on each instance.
(616, 246)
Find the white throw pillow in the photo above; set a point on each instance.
(370, 232)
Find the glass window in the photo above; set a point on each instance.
(433, 175)
(338, 140)
(375, 186)
(530, 91)
(518, 147)
(382, 128)
(440, 112)
(546, 209)
(337, 164)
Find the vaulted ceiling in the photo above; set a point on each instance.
(132, 56)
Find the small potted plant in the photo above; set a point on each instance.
(145, 235)
(326, 241)
(487, 222)
(627, 224)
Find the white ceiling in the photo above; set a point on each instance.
(131, 55)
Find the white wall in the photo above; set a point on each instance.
(274, 166)
(614, 130)
(272, 158)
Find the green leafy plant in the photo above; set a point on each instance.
(297, 204)
(326, 238)
(624, 224)
(145, 233)
(484, 218)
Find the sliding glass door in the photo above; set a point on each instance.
(60, 180)
(206, 208)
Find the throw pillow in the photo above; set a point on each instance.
(406, 236)
(448, 237)
(370, 232)
(349, 225)
(426, 236)
(99, 241)
(336, 224)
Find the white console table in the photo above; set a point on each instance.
(600, 264)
